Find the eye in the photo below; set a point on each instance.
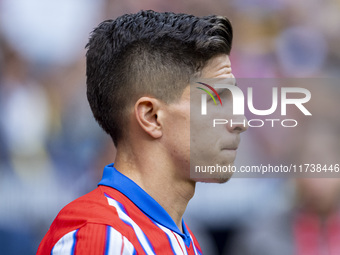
(226, 94)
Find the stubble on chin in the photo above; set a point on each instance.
(223, 178)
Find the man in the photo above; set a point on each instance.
(139, 68)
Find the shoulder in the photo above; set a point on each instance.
(91, 239)
(90, 208)
(87, 219)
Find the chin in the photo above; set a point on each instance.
(204, 175)
(214, 179)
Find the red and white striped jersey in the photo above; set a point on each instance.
(118, 217)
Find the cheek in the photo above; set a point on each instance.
(203, 143)
(225, 111)
(180, 148)
(203, 133)
(178, 136)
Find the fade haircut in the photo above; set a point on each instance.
(148, 54)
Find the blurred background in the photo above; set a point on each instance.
(52, 151)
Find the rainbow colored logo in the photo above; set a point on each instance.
(213, 90)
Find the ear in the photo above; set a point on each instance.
(147, 111)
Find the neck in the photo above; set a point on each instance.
(152, 170)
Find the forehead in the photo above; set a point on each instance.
(219, 61)
(217, 67)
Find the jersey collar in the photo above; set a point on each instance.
(114, 179)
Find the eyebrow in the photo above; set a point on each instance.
(221, 90)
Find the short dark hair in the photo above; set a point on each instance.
(148, 53)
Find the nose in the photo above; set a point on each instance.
(237, 124)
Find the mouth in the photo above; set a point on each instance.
(230, 149)
(231, 152)
(231, 146)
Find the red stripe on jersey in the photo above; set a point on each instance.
(178, 242)
(91, 240)
(122, 249)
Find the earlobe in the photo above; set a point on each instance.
(147, 112)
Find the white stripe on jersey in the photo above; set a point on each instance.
(65, 245)
(176, 246)
(139, 233)
(194, 246)
(118, 244)
(114, 242)
(128, 247)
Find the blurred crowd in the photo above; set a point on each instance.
(52, 151)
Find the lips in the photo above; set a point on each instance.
(230, 149)
(230, 153)
(231, 146)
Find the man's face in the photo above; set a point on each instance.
(194, 141)
(213, 146)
